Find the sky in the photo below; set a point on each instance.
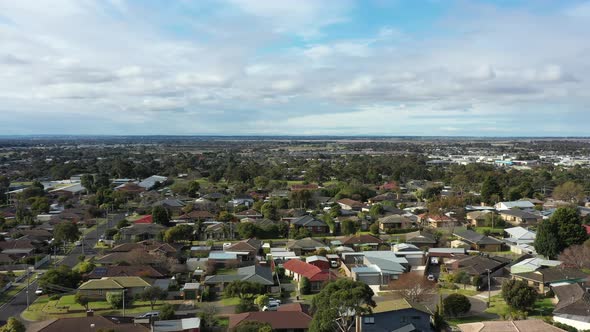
(301, 67)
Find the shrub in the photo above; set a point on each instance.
(167, 312)
(246, 305)
(115, 299)
(305, 286)
(456, 304)
(519, 295)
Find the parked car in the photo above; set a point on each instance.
(152, 314)
(334, 264)
(39, 291)
(431, 277)
(273, 300)
(78, 243)
(272, 306)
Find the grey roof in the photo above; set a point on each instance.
(150, 182)
(475, 237)
(136, 229)
(172, 202)
(306, 243)
(255, 273)
(395, 219)
(421, 239)
(520, 214)
(308, 221)
(573, 300)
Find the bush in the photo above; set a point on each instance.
(246, 305)
(374, 228)
(456, 304)
(115, 299)
(55, 297)
(305, 286)
(167, 312)
(519, 295)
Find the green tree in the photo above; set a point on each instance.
(562, 230)
(261, 182)
(490, 188)
(348, 227)
(66, 232)
(376, 210)
(569, 191)
(167, 312)
(160, 215)
(115, 299)
(305, 286)
(82, 300)
(39, 205)
(455, 305)
(61, 276)
(13, 325)
(153, 294)
(193, 189)
(374, 228)
(178, 233)
(246, 230)
(519, 295)
(332, 307)
(269, 211)
(243, 289)
(546, 242)
(261, 301)
(253, 326)
(208, 315)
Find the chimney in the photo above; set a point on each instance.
(90, 313)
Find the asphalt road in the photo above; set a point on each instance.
(19, 303)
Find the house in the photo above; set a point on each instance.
(320, 261)
(375, 268)
(573, 306)
(361, 240)
(478, 241)
(387, 197)
(477, 265)
(18, 248)
(514, 204)
(143, 271)
(252, 214)
(140, 232)
(167, 249)
(477, 218)
(146, 219)
(389, 186)
(69, 191)
(543, 278)
(247, 249)
(130, 188)
(528, 325)
(190, 291)
(219, 231)
(397, 315)
(196, 215)
(280, 320)
(92, 323)
(242, 200)
(394, 222)
(316, 276)
(254, 273)
(152, 181)
(437, 221)
(349, 204)
(517, 217)
(520, 240)
(192, 324)
(305, 245)
(171, 204)
(97, 288)
(422, 240)
(313, 225)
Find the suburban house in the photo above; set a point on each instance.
(143, 271)
(97, 288)
(288, 318)
(387, 197)
(171, 204)
(477, 218)
(349, 204)
(543, 278)
(196, 215)
(421, 240)
(316, 276)
(218, 231)
(520, 240)
(375, 268)
(192, 324)
(315, 226)
(242, 200)
(140, 232)
(361, 241)
(320, 261)
(528, 325)
(252, 214)
(437, 221)
(514, 205)
(247, 250)
(573, 306)
(477, 265)
(305, 246)
(478, 241)
(254, 273)
(393, 222)
(517, 217)
(151, 182)
(130, 188)
(397, 315)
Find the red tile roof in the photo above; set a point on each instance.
(350, 202)
(389, 186)
(311, 272)
(361, 239)
(311, 186)
(587, 227)
(278, 320)
(144, 220)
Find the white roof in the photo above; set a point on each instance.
(316, 258)
(520, 233)
(148, 183)
(514, 204)
(177, 325)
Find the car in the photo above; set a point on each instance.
(271, 307)
(431, 277)
(334, 264)
(273, 300)
(151, 314)
(39, 291)
(78, 243)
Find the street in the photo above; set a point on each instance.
(18, 304)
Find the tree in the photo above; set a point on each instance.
(569, 191)
(85, 267)
(269, 211)
(335, 307)
(246, 230)
(62, 276)
(519, 295)
(193, 189)
(376, 210)
(261, 182)
(261, 301)
(115, 299)
(66, 232)
(178, 233)
(167, 312)
(153, 294)
(413, 287)
(160, 215)
(82, 300)
(208, 315)
(490, 188)
(13, 325)
(577, 256)
(348, 227)
(562, 230)
(305, 286)
(374, 228)
(456, 304)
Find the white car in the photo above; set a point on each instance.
(78, 243)
(272, 306)
(273, 300)
(431, 277)
(39, 291)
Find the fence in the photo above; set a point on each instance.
(42, 261)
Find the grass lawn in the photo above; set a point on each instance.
(230, 301)
(307, 298)
(497, 306)
(543, 307)
(226, 271)
(223, 322)
(495, 230)
(466, 292)
(45, 308)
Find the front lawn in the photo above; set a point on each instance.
(230, 301)
(466, 292)
(465, 320)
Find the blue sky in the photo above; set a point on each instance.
(304, 67)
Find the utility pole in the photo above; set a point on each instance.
(489, 287)
(28, 284)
